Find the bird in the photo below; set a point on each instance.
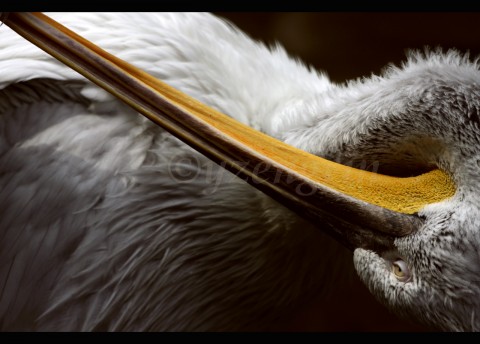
(110, 223)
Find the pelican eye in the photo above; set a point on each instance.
(401, 270)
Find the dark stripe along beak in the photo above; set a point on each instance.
(358, 208)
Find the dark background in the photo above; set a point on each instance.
(348, 45)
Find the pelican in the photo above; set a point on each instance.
(109, 222)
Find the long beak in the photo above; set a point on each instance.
(359, 208)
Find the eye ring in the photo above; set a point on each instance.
(401, 270)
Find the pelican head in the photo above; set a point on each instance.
(421, 115)
(432, 274)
